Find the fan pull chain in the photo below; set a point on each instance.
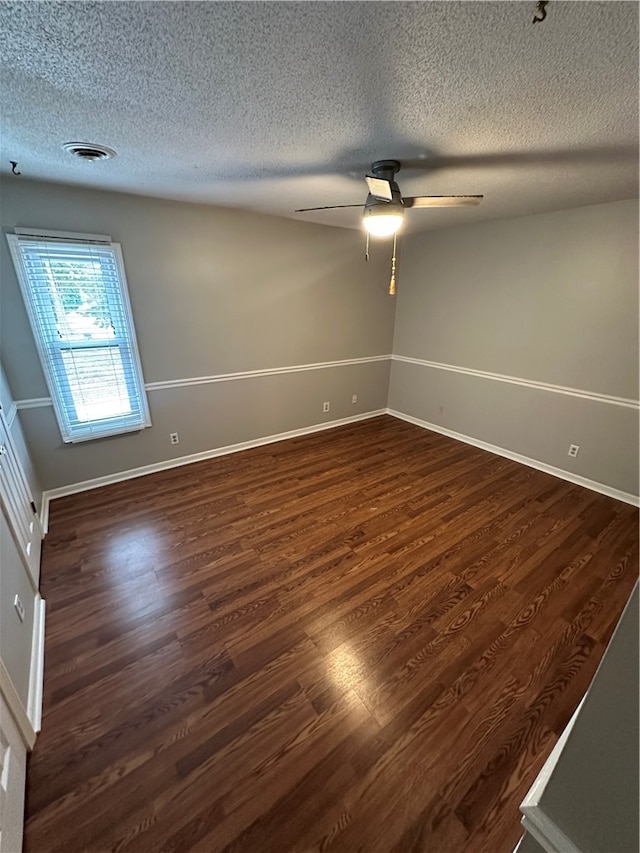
(392, 283)
(366, 248)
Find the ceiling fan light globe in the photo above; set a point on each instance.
(383, 225)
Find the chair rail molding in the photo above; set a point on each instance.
(39, 402)
(584, 394)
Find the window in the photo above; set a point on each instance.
(75, 292)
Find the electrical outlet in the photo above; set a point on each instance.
(19, 606)
(573, 450)
(354, 398)
(174, 438)
(326, 406)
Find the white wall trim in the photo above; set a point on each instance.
(62, 491)
(34, 403)
(534, 795)
(535, 820)
(39, 402)
(36, 671)
(271, 371)
(18, 486)
(603, 489)
(18, 713)
(11, 415)
(62, 235)
(97, 482)
(527, 383)
(546, 833)
(44, 513)
(595, 396)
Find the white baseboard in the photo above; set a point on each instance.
(14, 703)
(97, 482)
(547, 834)
(603, 489)
(44, 513)
(36, 673)
(534, 819)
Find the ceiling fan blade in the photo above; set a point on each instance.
(443, 201)
(330, 207)
(379, 188)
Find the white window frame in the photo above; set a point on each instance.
(72, 429)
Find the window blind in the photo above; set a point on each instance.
(76, 297)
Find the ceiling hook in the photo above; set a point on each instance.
(14, 167)
(541, 12)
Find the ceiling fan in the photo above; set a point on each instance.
(384, 208)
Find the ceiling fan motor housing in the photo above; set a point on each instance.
(383, 207)
(385, 170)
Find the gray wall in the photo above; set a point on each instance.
(592, 795)
(551, 298)
(213, 291)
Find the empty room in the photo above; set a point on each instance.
(319, 427)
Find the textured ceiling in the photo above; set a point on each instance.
(273, 106)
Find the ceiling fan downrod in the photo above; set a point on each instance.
(385, 169)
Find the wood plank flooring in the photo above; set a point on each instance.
(367, 639)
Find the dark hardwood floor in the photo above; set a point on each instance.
(367, 639)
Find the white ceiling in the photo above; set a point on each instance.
(274, 106)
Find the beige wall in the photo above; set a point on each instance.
(213, 292)
(551, 298)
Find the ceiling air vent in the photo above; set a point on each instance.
(88, 151)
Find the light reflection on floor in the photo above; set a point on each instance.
(345, 667)
(131, 556)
